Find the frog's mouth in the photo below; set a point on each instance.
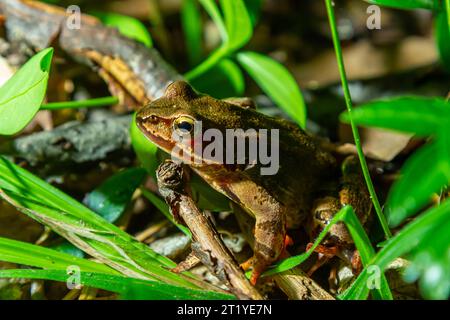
(162, 143)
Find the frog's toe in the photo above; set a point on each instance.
(259, 266)
(247, 265)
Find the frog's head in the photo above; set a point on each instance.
(182, 111)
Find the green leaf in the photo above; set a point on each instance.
(192, 28)
(442, 30)
(40, 257)
(425, 173)
(222, 81)
(22, 95)
(277, 82)
(128, 288)
(407, 239)
(430, 264)
(408, 4)
(424, 117)
(111, 198)
(146, 150)
(362, 242)
(66, 247)
(238, 23)
(419, 115)
(214, 12)
(236, 31)
(128, 26)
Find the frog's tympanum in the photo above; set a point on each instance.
(278, 201)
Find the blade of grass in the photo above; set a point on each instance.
(91, 103)
(447, 9)
(36, 256)
(85, 229)
(348, 100)
(128, 288)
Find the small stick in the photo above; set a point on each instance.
(295, 283)
(207, 243)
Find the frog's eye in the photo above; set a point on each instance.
(184, 124)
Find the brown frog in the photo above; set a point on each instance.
(277, 201)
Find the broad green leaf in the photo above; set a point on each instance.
(362, 242)
(40, 257)
(192, 28)
(22, 95)
(222, 81)
(236, 31)
(68, 248)
(419, 115)
(277, 82)
(426, 172)
(442, 30)
(146, 150)
(128, 26)
(403, 242)
(238, 23)
(112, 197)
(408, 4)
(128, 288)
(430, 264)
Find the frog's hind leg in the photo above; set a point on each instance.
(269, 230)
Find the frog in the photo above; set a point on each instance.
(277, 202)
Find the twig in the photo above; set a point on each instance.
(74, 143)
(207, 243)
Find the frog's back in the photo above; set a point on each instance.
(304, 166)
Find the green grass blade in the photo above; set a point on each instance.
(84, 228)
(128, 288)
(36, 256)
(91, 103)
(408, 4)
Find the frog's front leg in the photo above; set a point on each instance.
(270, 226)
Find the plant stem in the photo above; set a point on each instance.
(348, 101)
(447, 9)
(91, 103)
